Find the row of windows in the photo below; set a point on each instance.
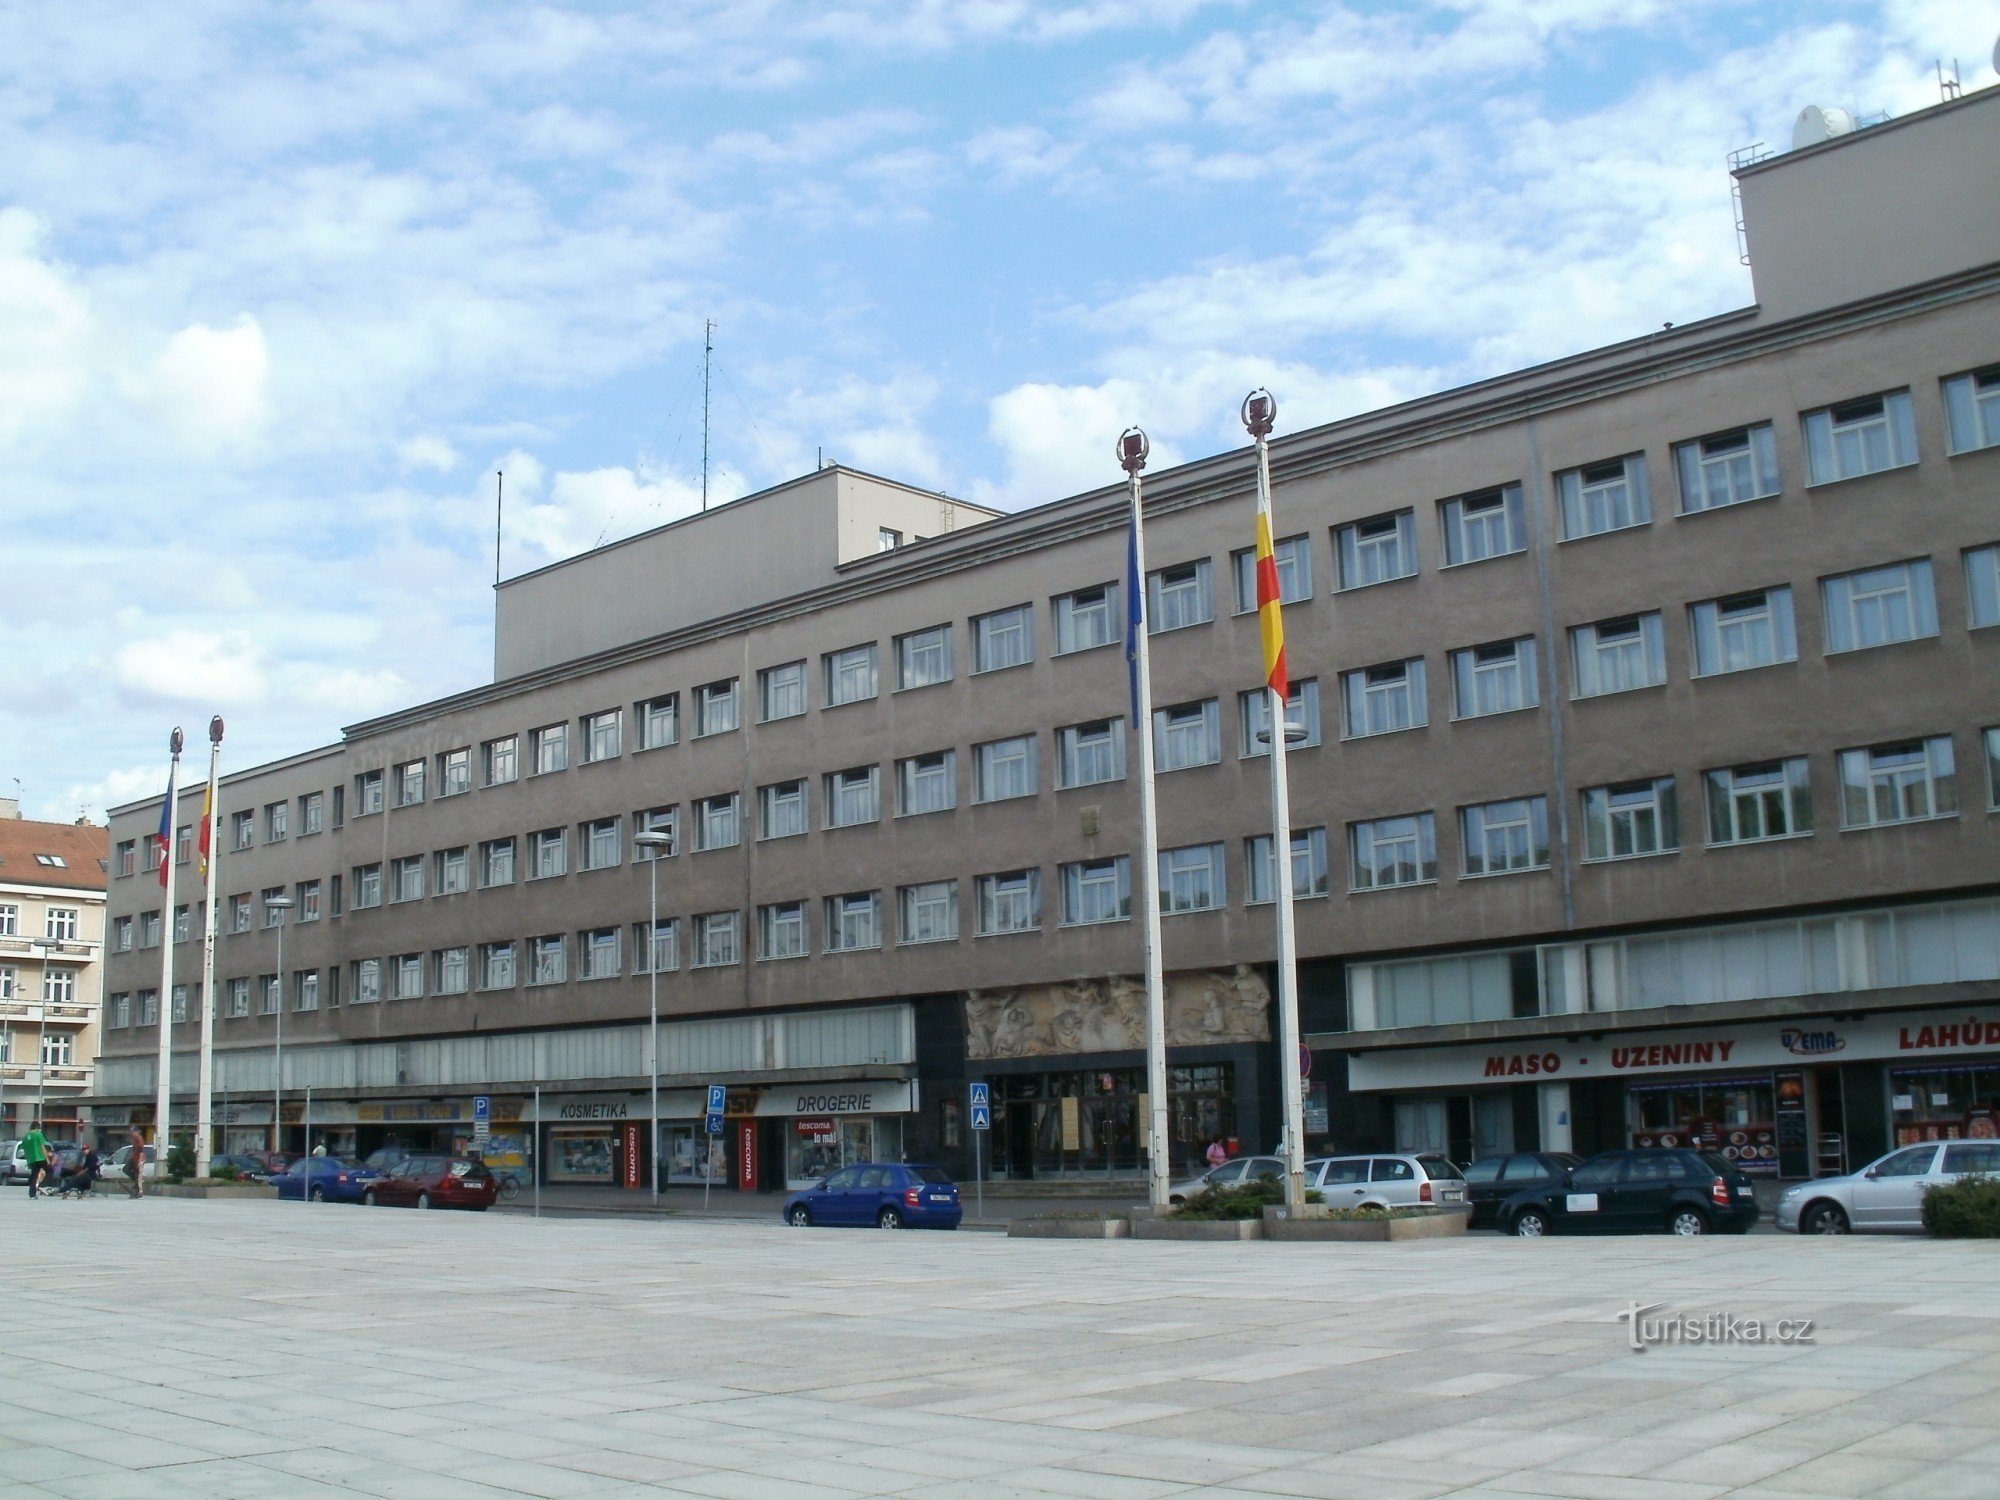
(58, 985)
(59, 923)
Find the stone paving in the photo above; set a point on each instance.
(179, 1348)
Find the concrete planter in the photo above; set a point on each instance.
(1068, 1229)
(211, 1190)
(1316, 1226)
(1197, 1229)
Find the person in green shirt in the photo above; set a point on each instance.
(35, 1146)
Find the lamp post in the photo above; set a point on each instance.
(275, 908)
(657, 844)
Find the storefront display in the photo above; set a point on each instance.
(1091, 1122)
(1735, 1117)
(1945, 1103)
(581, 1153)
(819, 1144)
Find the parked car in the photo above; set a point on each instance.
(17, 1158)
(248, 1167)
(380, 1161)
(274, 1161)
(1637, 1192)
(434, 1182)
(323, 1178)
(1237, 1169)
(1493, 1178)
(886, 1194)
(1887, 1195)
(1399, 1180)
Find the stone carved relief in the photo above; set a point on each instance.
(1109, 1015)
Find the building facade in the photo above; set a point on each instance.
(1652, 744)
(52, 885)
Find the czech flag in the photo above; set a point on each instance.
(165, 837)
(1270, 615)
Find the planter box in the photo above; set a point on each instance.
(211, 1190)
(1316, 1226)
(1068, 1229)
(1197, 1229)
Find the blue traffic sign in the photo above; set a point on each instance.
(714, 1123)
(981, 1095)
(982, 1117)
(718, 1099)
(482, 1107)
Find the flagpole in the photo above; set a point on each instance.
(1260, 415)
(204, 1113)
(1132, 450)
(169, 836)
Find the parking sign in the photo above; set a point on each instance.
(718, 1098)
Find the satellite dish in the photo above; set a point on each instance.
(1815, 125)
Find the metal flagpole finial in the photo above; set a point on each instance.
(1260, 412)
(176, 740)
(1132, 450)
(215, 730)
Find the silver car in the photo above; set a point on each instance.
(1412, 1180)
(1887, 1195)
(1240, 1169)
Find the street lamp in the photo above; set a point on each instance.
(657, 844)
(275, 908)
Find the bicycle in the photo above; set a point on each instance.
(510, 1186)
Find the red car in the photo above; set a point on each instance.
(435, 1182)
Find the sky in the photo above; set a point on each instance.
(283, 285)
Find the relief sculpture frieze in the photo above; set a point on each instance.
(1109, 1015)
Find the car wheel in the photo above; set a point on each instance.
(889, 1218)
(1687, 1221)
(1531, 1224)
(318, 1195)
(799, 1216)
(369, 1200)
(1826, 1218)
(424, 1201)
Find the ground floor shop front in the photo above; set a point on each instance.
(1786, 1099)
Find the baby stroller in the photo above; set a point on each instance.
(76, 1182)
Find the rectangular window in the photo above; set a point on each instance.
(454, 971)
(277, 821)
(242, 830)
(1972, 409)
(1880, 606)
(1178, 597)
(1503, 837)
(659, 721)
(149, 1005)
(1187, 735)
(1982, 586)
(1004, 769)
(368, 793)
(367, 886)
(854, 922)
(1631, 819)
(1087, 619)
(1090, 754)
(1394, 851)
(1377, 550)
(407, 878)
(1010, 902)
(312, 812)
(367, 981)
(850, 675)
(407, 976)
(1191, 879)
(1860, 437)
(717, 824)
(1496, 678)
(128, 856)
(1902, 783)
(267, 994)
(1384, 699)
(1309, 871)
(182, 924)
(121, 934)
(496, 966)
(496, 862)
(409, 783)
(10, 919)
(716, 709)
(923, 657)
(717, 939)
(853, 796)
(239, 998)
(887, 539)
(1618, 656)
(1749, 803)
(548, 853)
(781, 930)
(1742, 631)
(1005, 638)
(454, 871)
(665, 820)
(183, 843)
(498, 760)
(239, 912)
(1993, 769)
(1301, 712)
(781, 691)
(603, 735)
(927, 783)
(1484, 524)
(601, 843)
(663, 953)
(306, 893)
(549, 746)
(1727, 469)
(1608, 496)
(1293, 555)
(454, 772)
(1096, 890)
(598, 955)
(928, 913)
(149, 929)
(781, 810)
(548, 959)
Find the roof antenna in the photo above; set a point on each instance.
(707, 354)
(499, 495)
(1948, 88)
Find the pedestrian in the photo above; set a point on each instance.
(35, 1147)
(1217, 1152)
(135, 1163)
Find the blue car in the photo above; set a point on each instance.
(886, 1195)
(323, 1178)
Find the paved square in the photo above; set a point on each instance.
(184, 1348)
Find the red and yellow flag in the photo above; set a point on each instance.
(207, 826)
(1270, 617)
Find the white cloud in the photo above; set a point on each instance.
(44, 321)
(349, 693)
(587, 508)
(427, 451)
(196, 667)
(209, 383)
(114, 789)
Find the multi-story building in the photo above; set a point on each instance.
(1651, 709)
(52, 881)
